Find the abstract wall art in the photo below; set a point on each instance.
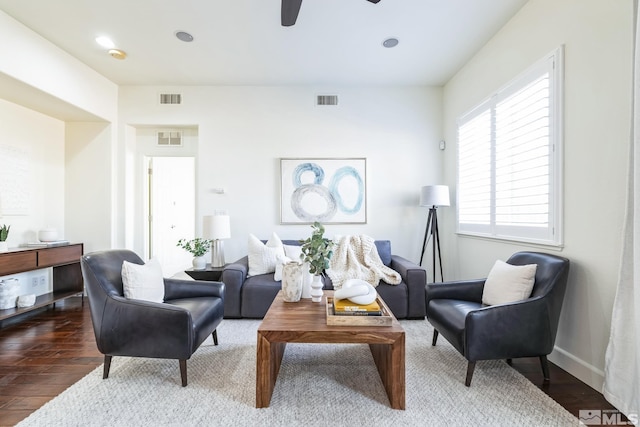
(331, 191)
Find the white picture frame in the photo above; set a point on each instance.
(327, 190)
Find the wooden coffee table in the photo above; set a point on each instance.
(306, 322)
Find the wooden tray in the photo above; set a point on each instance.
(336, 320)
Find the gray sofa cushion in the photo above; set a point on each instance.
(258, 292)
(384, 250)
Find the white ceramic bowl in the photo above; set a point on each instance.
(48, 235)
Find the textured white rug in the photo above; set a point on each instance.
(318, 385)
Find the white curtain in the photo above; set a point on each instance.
(622, 363)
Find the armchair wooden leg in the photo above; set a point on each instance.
(107, 366)
(215, 336)
(435, 337)
(545, 367)
(183, 372)
(470, 367)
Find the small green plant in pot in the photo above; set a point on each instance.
(317, 250)
(4, 233)
(197, 247)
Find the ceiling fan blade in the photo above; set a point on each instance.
(374, 1)
(289, 12)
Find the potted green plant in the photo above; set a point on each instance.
(317, 251)
(4, 233)
(197, 247)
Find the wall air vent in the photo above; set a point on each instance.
(169, 139)
(327, 100)
(170, 98)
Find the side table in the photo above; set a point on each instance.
(211, 274)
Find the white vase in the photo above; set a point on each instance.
(316, 288)
(4, 247)
(292, 279)
(9, 290)
(199, 263)
(307, 278)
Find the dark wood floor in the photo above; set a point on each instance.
(42, 355)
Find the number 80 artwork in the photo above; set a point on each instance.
(331, 191)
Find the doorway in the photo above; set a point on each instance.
(170, 210)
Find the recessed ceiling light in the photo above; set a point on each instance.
(184, 36)
(117, 53)
(390, 42)
(105, 42)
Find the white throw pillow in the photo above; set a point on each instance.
(293, 252)
(143, 282)
(277, 275)
(263, 258)
(508, 283)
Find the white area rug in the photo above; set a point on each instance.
(318, 385)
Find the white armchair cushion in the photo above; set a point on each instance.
(143, 282)
(508, 283)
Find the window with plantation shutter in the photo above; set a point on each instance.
(509, 159)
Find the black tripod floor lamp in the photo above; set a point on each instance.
(433, 196)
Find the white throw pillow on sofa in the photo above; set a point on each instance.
(293, 252)
(263, 258)
(277, 275)
(508, 283)
(144, 281)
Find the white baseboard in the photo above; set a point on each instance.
(577, 367)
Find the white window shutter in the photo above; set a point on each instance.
(508, 165)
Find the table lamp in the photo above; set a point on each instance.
(216, 228)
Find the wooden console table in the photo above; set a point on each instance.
(67, 276)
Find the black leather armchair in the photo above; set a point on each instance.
(191, 311)
(524, 328)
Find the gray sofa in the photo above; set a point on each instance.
(250, 297)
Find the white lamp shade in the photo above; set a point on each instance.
(216, 227)
(434, 195)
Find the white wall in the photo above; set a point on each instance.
(37, 74)
(597, 36)
(28, 57)
(40, 139)
(244, 131)
(89, 184)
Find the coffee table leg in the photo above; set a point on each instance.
(268, 360)
(389, 359)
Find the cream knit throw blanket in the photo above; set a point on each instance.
(356, 257)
